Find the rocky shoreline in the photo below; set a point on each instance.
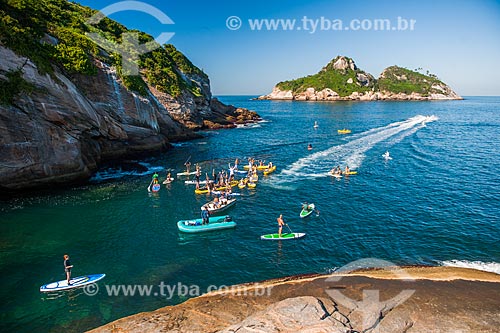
(69, 125)
(329, 95)
(442, 299)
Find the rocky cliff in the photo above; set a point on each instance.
(66, 105)
(341, 80)
(427, 299)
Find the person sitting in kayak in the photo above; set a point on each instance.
(205, 214)
(309, 147)
(155, 178)
(67, 268)
(281, 223)
(306, 206)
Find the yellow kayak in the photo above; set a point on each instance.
(344, 131)
(205, 190)
(269, 170)
(350, 173)
(259, 167)
(251, 185)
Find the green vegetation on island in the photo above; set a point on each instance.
(339, 75)
(53, 33)
(343, 77)
(401, 80)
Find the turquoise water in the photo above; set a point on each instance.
(436, 202)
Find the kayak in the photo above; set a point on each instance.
(205, 190)
(293, 235)
(308, 211)
(269, 170)
(214, 223)
(168, 180)
(254, 178)
(350, 173)
(344, 131)
(259, 167)
(75, 283)
(213, 209)
(185, 173)
(251, 185)
(242, 185)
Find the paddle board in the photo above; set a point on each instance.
(186, 173)
(75, 283)
(155, 187)
(293, 235)
(193, 182)
(219, 192)
(168, 181)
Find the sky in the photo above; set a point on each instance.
(457, 40)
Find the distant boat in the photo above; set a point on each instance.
(387, 156)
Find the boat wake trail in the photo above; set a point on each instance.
(351, 153)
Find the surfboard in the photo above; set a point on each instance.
(293, 235)
(75, 283)
(155, 187)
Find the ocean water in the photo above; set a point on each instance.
(437, 202)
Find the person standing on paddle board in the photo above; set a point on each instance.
(281, 223)
(155, 178)
(67, 268)
(205, 214)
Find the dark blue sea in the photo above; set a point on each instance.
(436, 202)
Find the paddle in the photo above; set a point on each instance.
(291, 232)
(149, 187)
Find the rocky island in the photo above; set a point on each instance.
(443, 299)
(67, 104)
(342, 80)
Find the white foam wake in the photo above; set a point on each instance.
(493, 267)
(351, 153)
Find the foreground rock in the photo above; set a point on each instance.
(342, 80)
(441, 299)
